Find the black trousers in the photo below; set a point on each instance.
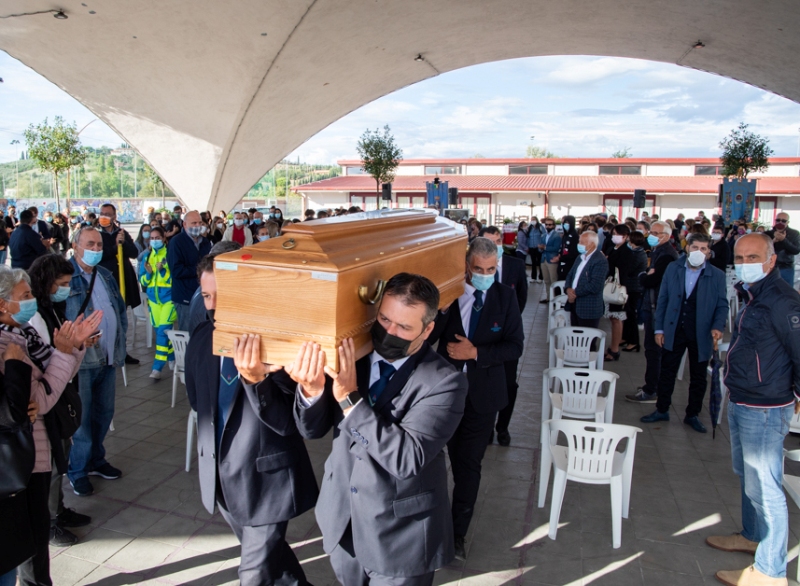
(670, 362)
(350, 572)
(266, 557)
(536, 260)
(504, 417)
(579, 322)
(630, 327)
(466, 449)
(56, 499)
(36, 571)
(652, 351)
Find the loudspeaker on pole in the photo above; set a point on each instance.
(386, 191)
(452, 196)
(639, 198)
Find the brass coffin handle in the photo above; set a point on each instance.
(289, 244)
(363, 293)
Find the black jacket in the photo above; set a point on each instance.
(569, 249)
(662, 255)
(631, 263)
(499, 338)
(762, 367)
(787, 248)
(109, 262)
(25, 247)
(721, 256)
(514, 276)
(262, 464)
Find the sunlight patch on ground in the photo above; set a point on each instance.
(491, 578)
(709, 521)
(537, 534)
(604, 571)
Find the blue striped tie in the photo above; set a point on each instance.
(477, 306)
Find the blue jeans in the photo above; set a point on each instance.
(788, 275)
(3, 256)
(9, 578)
(757, 454)
(184, 316)
(96, 387)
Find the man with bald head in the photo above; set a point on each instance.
(762, 374)
(183, 253)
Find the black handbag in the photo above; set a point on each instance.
(17, 452)
(65, 416)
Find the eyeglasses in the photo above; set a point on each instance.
(781, 221)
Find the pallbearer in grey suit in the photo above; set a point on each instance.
(383, 506)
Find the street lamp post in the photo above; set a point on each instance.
(15, 142)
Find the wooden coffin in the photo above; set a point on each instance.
(321, 281)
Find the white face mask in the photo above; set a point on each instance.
(750, 272)
(716, 236)
(617, 239)
(697, 258)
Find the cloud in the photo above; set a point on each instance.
(589, 70)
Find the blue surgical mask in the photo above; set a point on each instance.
(27, 309)
(157, 244)
(652, 240)
(60, 295)
(499, 251)
(145, 235)
(256, 221)
(263, 238)
(482, 282)
(750, 272)
(581, 249)
(92, 257)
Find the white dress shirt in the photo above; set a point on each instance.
(465, 303)
(579, 270)
(500, 269)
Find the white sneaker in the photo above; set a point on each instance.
(171, 364)
(156, 374)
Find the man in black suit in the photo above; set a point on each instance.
(478, 334)
(252, 461)
(25, 245)
(510, 272)
(383, 507)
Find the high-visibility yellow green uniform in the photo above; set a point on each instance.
(159, 301)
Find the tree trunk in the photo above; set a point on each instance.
(162, 195)
(55, 186)
(69, 188)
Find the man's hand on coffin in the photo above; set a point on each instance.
(247, 358)
(307, 370)
(462, 350)
(344, 381)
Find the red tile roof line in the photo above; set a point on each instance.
(528, 183)
(572, 161)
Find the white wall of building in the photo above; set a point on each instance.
(516, 205)
(326, 199)
(791, 205)
(573, 170)
(668, 170)
(688, 205)
(485, 169)
(575, 204)
(779, 171)
(410, 170)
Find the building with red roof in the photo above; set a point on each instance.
(494, 189)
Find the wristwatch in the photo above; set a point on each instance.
(350, 400)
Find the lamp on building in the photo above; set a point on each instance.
(419, 58)
(60, 15)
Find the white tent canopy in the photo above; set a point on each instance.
(213, 94)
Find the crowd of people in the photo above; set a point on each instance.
(435, 378)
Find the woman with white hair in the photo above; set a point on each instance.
(51, 370)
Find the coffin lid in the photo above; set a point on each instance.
(345, 242)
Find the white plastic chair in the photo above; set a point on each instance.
(591, 457)
(558, 319)
(580, 400)
(791, 484)
(142, 313)
(124, 375)
(556, 303)
(191, 428)
(180, 340)
(557, 288)
(572, 346)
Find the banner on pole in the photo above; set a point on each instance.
(738, 200)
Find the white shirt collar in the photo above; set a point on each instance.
(374, 358)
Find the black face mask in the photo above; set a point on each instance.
(387, 345)
(550, 229)
(210, 314)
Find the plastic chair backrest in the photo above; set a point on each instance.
(576, 343)
(592, 446)
(557, 288)
(580, 387)
(558, 302)
(180, 340)
(558, 319)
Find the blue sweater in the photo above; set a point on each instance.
(25, 247)
(182, 258)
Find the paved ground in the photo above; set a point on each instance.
(149, 526)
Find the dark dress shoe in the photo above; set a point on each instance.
(695, 424)
(461, 550)
(130, 359)
(655, 416)
(503, 438)
(544, 301)
(69, 518)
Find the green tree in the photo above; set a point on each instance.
(624, 153)
(379, 154)
(155, 181)
(535, 152)
(744, 151)
(55, 148)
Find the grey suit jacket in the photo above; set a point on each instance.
(387, 474)
(589, 303)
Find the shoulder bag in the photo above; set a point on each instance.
(613, 292)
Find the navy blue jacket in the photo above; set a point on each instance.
(763, 364)
(25, 247)
(589, 303)
(182, 257)
(712, 305)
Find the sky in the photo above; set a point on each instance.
(574, 106)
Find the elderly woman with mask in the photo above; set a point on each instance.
(51, 369)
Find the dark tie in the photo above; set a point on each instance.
(497, 277)
(477, 305)
(228, 376)
(387, 370)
